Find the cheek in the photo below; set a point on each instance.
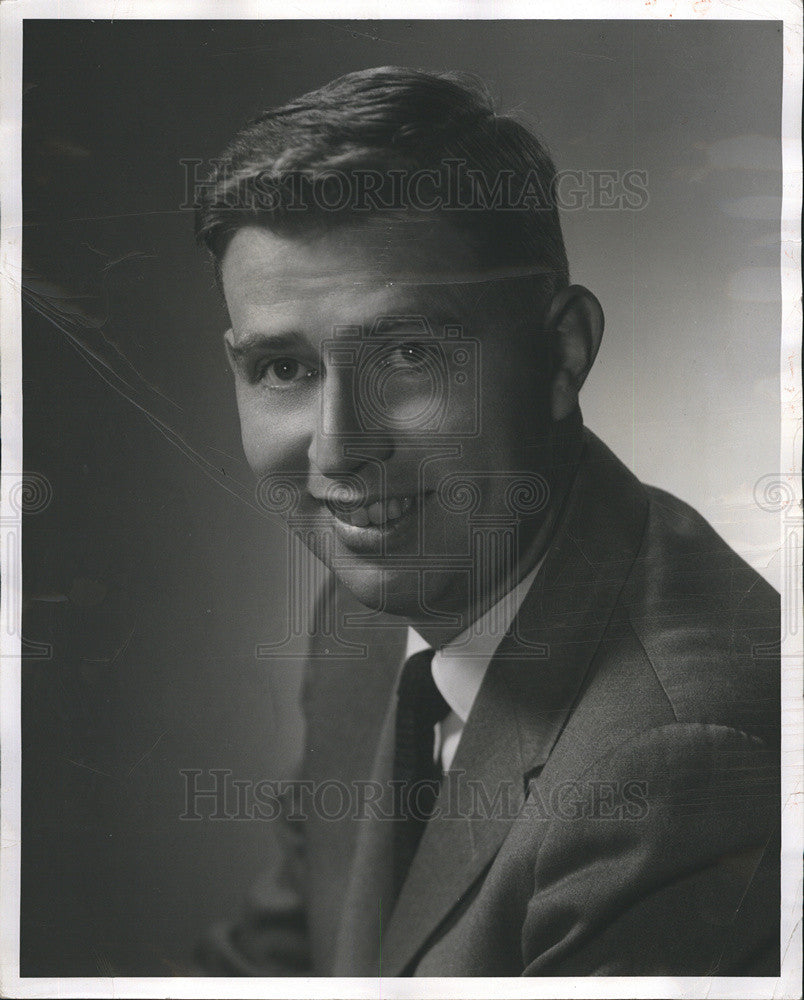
(515, 394)
(270, 443)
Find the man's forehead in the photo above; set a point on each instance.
(373, 251)
(262, 269)
(341, 301)
(260, 265)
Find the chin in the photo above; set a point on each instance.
(397, 592)
(366, 583)
(394, 592)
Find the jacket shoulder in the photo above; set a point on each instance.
(706, 621)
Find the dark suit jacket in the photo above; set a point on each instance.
(613, 806)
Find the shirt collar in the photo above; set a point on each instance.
(460, 666)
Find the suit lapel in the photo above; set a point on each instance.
(524, 700)
(370, 882)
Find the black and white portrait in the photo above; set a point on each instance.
(401, 499)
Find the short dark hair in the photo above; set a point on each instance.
(401, 125)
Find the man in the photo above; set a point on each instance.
(547, 690)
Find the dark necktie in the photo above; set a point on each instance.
(419, 707)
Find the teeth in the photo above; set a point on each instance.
(360, 517)
(379, 512)
(376, 512)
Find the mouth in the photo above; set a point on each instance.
(372, 526)
(378, 514)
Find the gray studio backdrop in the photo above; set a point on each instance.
(150, 575)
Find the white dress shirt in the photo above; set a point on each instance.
(460, 666)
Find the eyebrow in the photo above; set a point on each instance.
(257, 341)
(384, 325)
(294, 340)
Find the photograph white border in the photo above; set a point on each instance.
(791, 525)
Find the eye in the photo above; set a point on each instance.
(409, 357)
(282, 373)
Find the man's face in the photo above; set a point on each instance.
(379, 372)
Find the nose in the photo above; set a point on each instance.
(343, 440)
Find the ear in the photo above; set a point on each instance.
(575, 320)
(228, 343)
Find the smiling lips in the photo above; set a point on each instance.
(378, 513)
